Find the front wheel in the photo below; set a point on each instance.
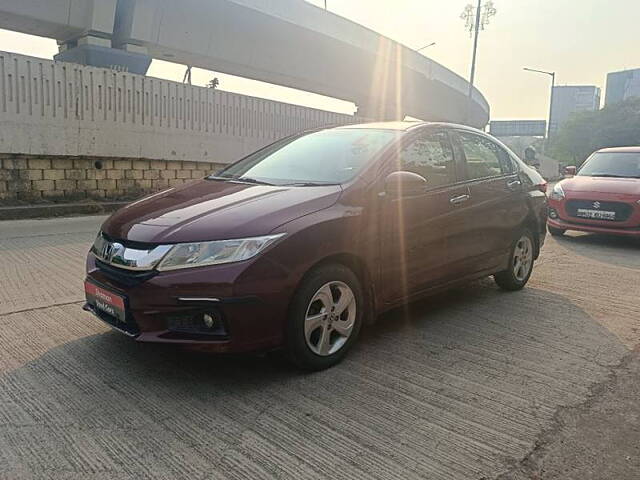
(520, 264)
(325, 317)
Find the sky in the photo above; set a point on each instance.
(581, 40)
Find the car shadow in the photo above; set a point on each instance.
(456, 386)
(615, 250)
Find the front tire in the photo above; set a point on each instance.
(325, 317)
(520, 264)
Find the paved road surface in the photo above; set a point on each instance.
(472, 384)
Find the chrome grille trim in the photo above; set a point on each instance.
(118, 255)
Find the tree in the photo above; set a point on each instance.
(585, 132)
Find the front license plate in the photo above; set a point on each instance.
(105, 301)
(596, 214)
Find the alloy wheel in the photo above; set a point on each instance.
(330, 318)
(523, 258)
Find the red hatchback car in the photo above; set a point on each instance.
(602, 197)
(298, 244)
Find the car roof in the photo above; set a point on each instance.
(620, 150)
(404, 125)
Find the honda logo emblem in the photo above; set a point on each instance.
(110, 250)
(107, 248)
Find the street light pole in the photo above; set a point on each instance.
(553, 86)
(553, 89)
(476, 21)
(475, 48)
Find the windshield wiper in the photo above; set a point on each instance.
(238, 179)
(255, 181)
(308, 184)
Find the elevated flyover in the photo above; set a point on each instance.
(284, 42)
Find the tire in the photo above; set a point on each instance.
(521, 260)
(318, 337)
(555, 232)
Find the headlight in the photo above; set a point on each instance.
(557, 193)
(186, 255)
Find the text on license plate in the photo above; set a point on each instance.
(596, 214)
(106, 301)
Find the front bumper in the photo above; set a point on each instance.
(250, 299)
(562, 215)
(581, 227)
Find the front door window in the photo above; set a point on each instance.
(430, 156)
(485, 159)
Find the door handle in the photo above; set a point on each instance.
(514, 184)
(459, 199)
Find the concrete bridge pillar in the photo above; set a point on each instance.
(96, 45)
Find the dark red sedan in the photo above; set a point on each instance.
(298, 244)
(602, 197)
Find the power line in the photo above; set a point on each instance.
(426, 46)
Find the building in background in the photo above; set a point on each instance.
(518, 128)
(569, 99)
(622, 85)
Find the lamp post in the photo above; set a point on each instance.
(426, 46)
(476, 19)
(553, 85)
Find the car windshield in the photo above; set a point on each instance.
(624, 165)
(319, 158)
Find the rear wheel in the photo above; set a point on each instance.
(520, 264)
(325, 317)
(556, 232)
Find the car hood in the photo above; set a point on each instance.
(216, 210)
(620, 186)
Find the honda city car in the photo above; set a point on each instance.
(298, 245)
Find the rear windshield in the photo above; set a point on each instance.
(325, 157)
(624, 165)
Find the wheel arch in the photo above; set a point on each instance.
(531, 223)
(359, 267)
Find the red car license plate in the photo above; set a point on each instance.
(596, 214)
(105, 301)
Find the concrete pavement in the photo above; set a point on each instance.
(472, 384)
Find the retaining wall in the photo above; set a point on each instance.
(32, 179)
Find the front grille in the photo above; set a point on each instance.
(127, 278)
(623, 210)
(127, 255)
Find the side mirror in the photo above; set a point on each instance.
(570, 171)
(400, 184)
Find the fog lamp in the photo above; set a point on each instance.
(209, 321)
(212, 321)
(553, 213)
